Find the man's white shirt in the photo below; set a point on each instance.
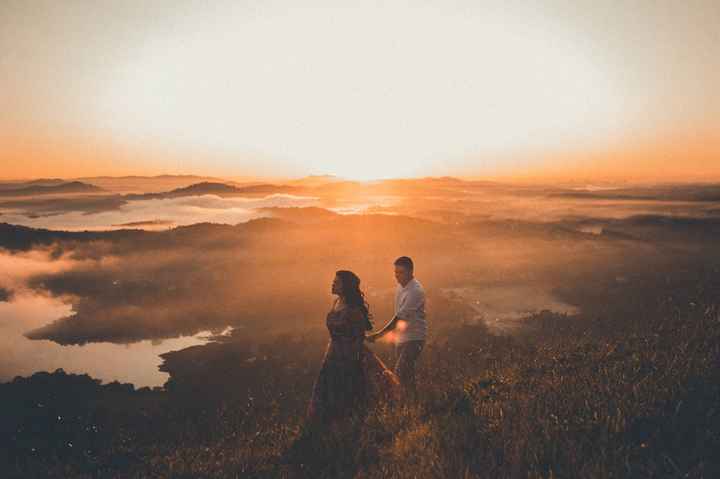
(410, 307)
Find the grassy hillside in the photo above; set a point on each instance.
(630, 389)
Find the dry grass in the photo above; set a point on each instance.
(622, 396)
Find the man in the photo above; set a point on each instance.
(408, 323)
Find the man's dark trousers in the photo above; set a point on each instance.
(407, 354)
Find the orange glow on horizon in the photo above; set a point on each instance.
(678, 157)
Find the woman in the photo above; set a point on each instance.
(352, 377)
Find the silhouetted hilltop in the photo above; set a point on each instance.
(45, 189)
(152, 184)
(682, 192)
(220, 189)
(146, 223)
(24, 238)
(204, 188)
(269, 189)
(141, 177)
(16, 184)
(47, 181)
(309, 214)
(44, 385)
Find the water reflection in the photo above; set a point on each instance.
(503, 309)
(135, 363)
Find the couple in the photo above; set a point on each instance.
(352, 378)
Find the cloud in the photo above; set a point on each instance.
(105, 213)
(39, 207)
(273, 274)
(163, 284)
(16, 269)
(443, 199)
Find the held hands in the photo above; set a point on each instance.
(372, 337)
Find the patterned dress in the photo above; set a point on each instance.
(352, 378)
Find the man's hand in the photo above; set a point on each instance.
(379, 334)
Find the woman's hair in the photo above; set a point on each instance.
(353, 296)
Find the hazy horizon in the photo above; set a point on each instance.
(509, 179)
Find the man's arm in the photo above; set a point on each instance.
(392, 324)
(414, 300)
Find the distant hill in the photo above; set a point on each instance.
(140, 177)
(697, 192)
(24, 238)
(44, 189)
(268, 189)
(204, 188)
(146, 223)
(309, 214)
(175, 181)
(19, 184)
(219, 189)
(47, 181)
(152, 184)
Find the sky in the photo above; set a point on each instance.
(362, 90)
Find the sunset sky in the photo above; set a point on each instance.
(360, 89)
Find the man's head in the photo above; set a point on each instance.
(403, 270)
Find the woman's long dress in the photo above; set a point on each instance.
(352, 377)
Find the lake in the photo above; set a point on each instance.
(135, 363)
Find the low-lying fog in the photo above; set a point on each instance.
(161, 271)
